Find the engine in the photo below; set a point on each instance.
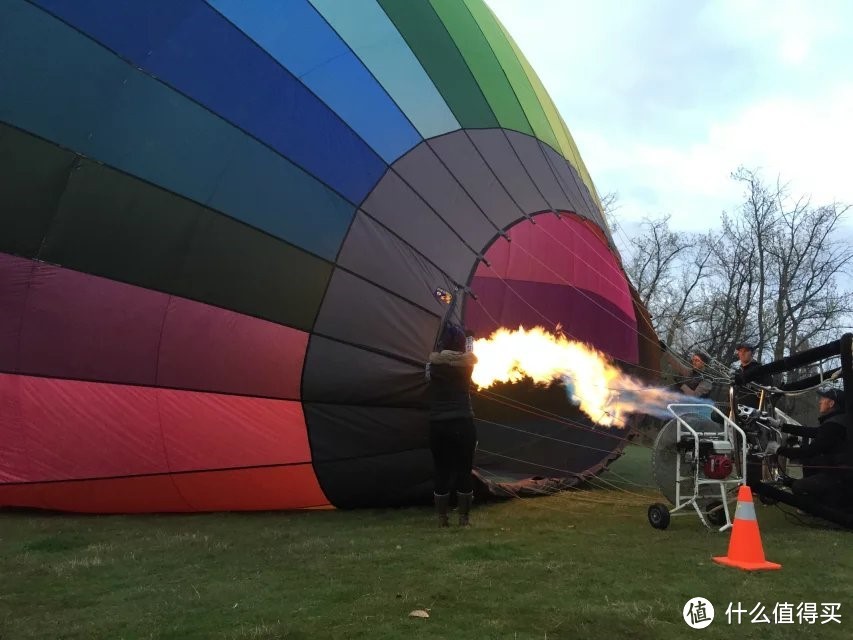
(715, 456)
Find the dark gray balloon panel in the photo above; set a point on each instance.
(371, 249)
(419, 229)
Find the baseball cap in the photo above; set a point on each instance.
(833, 394)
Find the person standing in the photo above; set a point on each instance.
(745, 395)
(452, 433)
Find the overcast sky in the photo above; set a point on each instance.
(665, 98)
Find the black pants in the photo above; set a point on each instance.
(816, 485)
(452, 443)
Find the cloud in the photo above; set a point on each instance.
(801, 141)
(665, 98)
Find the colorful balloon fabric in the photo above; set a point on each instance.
(223, 225)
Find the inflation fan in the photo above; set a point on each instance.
(701, 457)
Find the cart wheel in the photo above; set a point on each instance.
(718, 517)
(659, 516)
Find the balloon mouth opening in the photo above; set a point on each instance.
(532, 437)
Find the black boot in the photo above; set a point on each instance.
(463, 504)
(442, 501)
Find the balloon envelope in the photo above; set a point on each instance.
(223, 225)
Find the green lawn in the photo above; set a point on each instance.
(568, 566)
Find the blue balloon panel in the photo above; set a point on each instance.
(88, 100)
(300, 39)
(197, 51)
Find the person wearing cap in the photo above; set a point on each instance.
(452, 434)
(745, 395)
(822, 456)
(694, 381)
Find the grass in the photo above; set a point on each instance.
(566, 566)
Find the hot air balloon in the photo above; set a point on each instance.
(222, 231)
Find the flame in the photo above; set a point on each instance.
(601, 390)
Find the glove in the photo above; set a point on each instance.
(663, 346)
(772, 448)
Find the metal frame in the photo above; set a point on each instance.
(730, 430)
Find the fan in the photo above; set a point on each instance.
(676, 468)
(700, 462)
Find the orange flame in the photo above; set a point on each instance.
(602, 391)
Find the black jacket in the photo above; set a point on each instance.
(450, 385)
(747, 396)
(828, 441)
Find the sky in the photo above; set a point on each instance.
(665, 98)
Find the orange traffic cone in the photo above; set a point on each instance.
(745, 549)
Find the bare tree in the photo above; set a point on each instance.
(808, 259)
(771, 275)
(654, 257)
(799, 259)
